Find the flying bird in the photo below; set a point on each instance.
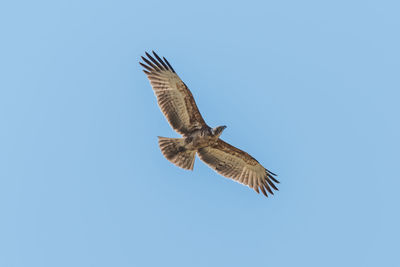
(177, 103)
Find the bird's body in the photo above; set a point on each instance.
(200, 138)
(178, 105)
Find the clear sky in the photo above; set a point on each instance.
(311, 89)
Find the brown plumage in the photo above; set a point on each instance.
(180, 109)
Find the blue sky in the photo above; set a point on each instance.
(309, 88)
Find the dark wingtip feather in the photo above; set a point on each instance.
(154, 61)
(273, 179)
(271, 175)
(150, 64)
(263, 191)
(169, 65)
(161, 61)
(271, 172)
(268, 188)
(146, 67)
(271, 184)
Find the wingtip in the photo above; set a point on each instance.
(263, 191)
(271, 172)
(164, 62)
(169, 65)
(273, 179)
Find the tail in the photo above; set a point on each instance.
(174, 150)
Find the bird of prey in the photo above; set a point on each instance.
(178, 105)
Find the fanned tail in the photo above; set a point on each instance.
(174, 150)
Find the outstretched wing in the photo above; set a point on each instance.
(173, 96)
(236, 164)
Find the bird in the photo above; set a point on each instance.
(179, 107)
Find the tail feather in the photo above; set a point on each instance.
(174, 150)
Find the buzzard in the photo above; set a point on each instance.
(180, 109)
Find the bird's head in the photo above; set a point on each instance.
(217, 131)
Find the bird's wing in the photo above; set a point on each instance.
(173, 96)
(236, 164)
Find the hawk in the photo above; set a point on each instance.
(177, 103)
